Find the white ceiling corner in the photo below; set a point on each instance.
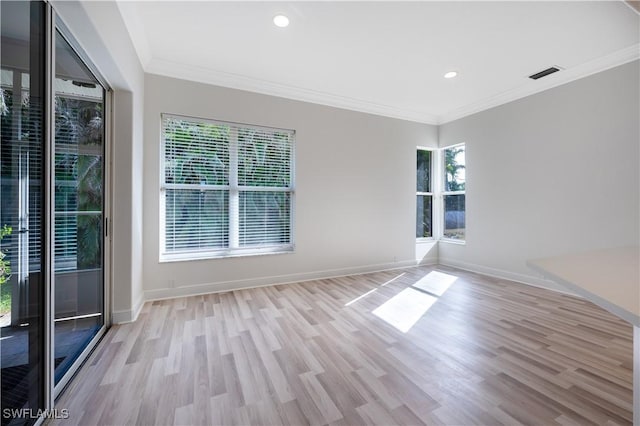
(135, 27)
(384, 58)
(236, 81)
(614, 59)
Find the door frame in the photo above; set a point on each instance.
(56, 24)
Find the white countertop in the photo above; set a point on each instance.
(609, 278)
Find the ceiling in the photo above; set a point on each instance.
(385, 58)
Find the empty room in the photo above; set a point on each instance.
(320, 213)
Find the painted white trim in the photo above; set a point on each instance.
(138, 306)
(431, 193)
(207, 288)
(234, 190)
(443, 193)
(505, 275)
(603, 63)
(241, 82)
(236, 81)
(152, 65)
(426, 261)
(121, 317)
(446, 240)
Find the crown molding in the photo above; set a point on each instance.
(241, 82)
(531, 87)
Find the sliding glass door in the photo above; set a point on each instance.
(78, 207)
(53, 248)
(22, 216)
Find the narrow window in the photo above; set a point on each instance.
(424, 196)
(227, 189)
(454, 193)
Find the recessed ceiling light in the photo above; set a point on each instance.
(281, 21)
(451, 74)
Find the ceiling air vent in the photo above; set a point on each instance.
(544, 73)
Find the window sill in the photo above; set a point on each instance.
(451, 241)
(226, 254)
(429, 240)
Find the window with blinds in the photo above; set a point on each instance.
(227, 189)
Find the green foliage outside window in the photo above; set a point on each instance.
(454, 204)
(453, 169)
(79, 182)
(202, 153)
(5, 267)
(5, 274)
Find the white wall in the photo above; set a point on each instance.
(355, 196)
(99, 29)
(552, 173)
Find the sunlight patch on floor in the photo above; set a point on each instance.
(373, 290)
(436, 282)
(404, 309)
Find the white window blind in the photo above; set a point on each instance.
(227, 189)
(78, 162)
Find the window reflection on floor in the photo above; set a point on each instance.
(362, 296)
(406, 308)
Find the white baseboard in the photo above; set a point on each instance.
(506, 275)
(138, 306)
(426, 261)
(206, 288)
(121, 317)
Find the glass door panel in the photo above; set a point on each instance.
(68, 270)
(78, 207)
(22, 194)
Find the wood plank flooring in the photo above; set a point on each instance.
(362, 350)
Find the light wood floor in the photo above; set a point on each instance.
(486, 352)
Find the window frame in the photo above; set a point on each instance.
(443, 193)
(431, 193)
(234, 190)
